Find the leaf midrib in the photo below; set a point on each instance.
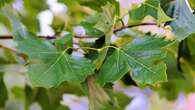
(51, 66)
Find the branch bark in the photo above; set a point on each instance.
(4, 37)
(14, 51)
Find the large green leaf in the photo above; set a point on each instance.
(152, 8)
(184, 23)
(142, 57)
(48, 67)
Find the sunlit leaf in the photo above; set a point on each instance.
(149, 8)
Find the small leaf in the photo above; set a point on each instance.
(142, 57)
(106, 18)
(64, 42)
(149, 8)
(89, 24)
(184, 23)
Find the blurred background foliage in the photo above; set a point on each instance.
(16, 92)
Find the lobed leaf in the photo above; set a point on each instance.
(142, 57)
(48, 66)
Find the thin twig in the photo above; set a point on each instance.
(14, 51)
(131, 26)
(82, 37)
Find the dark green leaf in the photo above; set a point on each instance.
(142, 57)
(64, 42)
(89, 24)
(49, 67)
(3, 91)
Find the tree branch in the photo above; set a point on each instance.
(14, 51)
(81, 37)
(131, 26)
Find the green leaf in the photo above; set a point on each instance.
(48, 67)
(51, 67)
(142, 57)
(89, 24)
(3, 91)
(3, 2)
(64, 42)
(106, 19)
(34, 7)
(192, 4)
(31, 23)
(184, 23)
(47, 98)
(178, 81)
(152, 8)
(96, 5)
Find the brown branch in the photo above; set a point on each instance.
(131, 26)
(11, 37)
(14, 51)
(82, 37)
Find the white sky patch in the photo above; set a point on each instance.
(114, 38)
(126, 19)
(139, 97)
(45, 19)
(18, 5)
(79, 30)
(57, 8)
(126, 4)
(75, 102)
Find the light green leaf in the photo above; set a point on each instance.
(149, 8)
(3, 2)
(142, 57)
(34, 7)
(184, 23)
(106, 20)
(96, 4)
(192, 3)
